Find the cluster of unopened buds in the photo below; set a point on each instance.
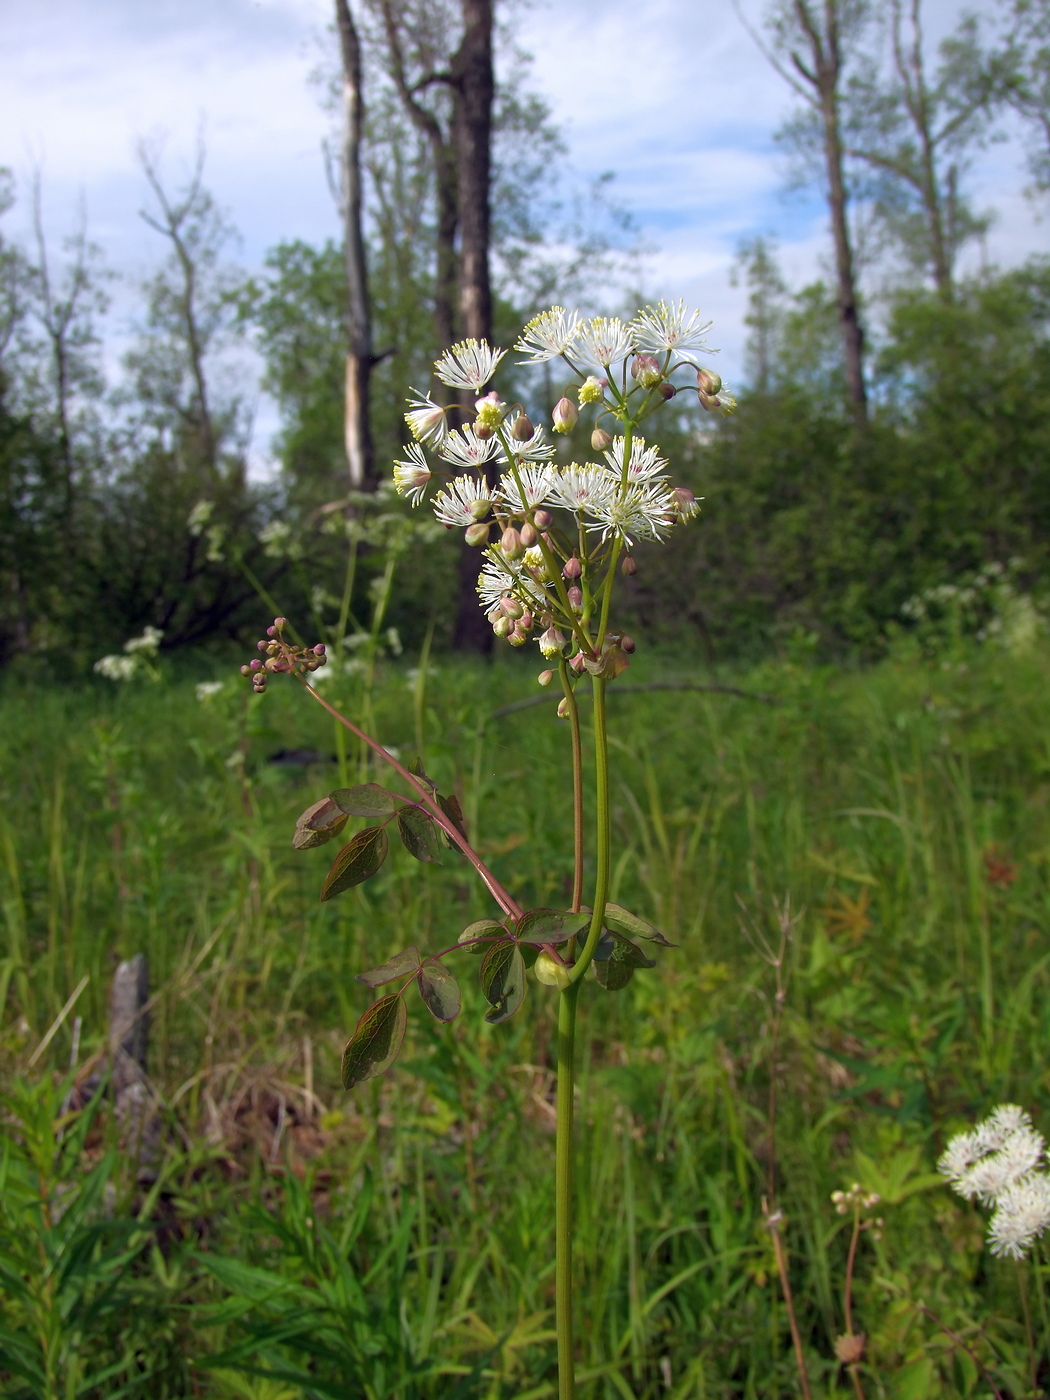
(282, 658)
(856, 1199)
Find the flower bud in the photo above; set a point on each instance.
(525, 621)
(575, 597)
(707, 403)
(477, 534)
(319, 649)
(503, 627)
(551, 973)
(627, 644)
(667, 390)
(572, 568)
(255, 665)
(480, 508)
(529, 534)
(261, 645)
(707, 382)
(280, 622)
(510, 607)
(545, 677)
(601, 440)
(245, 671)
(578, 663)
(563, 708)
(552, 643)
(565, 416)
(518, 637)
(542, 519)
(510, 543)
(521, 429)
(646, 370)
(271, 631)
(482, 431)
(628, 567)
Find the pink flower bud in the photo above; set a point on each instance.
(518, 637)
(319, 649)
(667, 390)
(503, 626)
(628, 567)
(627, 644)
(545, 677)
(575, 597)
(482, 431)
(246, 671)
(708, 383)
(271, 631)
(601, 440)
(578, 663)
(510, 607)
(542, 518)
(646, 370)
(563, 708)
(572, 568)
(255, 665)
(477, 534)
(565, 416)
(521, 429)
(526, 620)
(529, 534)
(510, 543)
(552, 643)
(261, 645)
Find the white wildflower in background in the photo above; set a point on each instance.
(117, 668)
(548, 335)
(199, 517)
(668, 327)
(1000, 1163)
(206, 689)
(147, 643)
(468, 365)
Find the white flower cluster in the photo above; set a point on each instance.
(136, 658)
(1000, 1164)
(659, 330)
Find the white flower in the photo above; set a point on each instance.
(646, 464)
(548, 335)
(464, 449)
(411, 476)
(117, 668)
(426, 420)
(604, 340)
(499, 576)
(199, 517)
(592, 390)
(206, 689)
(667, 327)
(147, 643)
(276, 537)
(464, 501)
(535, 488)
(533, 449)
(643, 512)
(580, 488)
(468, 365)
(1022, 1214)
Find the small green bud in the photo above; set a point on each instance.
(551, 973)
(529, 534)
(503, 626)
(510, 543)
(476, 535)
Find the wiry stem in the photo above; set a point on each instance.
(563, 1190)
(577, 785)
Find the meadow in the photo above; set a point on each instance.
(855, 866)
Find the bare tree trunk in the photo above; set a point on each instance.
(472, 73)
(823, 74)
(360, 360)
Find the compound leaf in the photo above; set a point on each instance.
(550, 925)
(439, 990)
(374, 1044)
(359, 859)
(418, 834)
(503, 981)
(366, 800)
(400, 965)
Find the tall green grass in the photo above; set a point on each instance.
(400, 1242)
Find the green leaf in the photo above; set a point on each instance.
(451, 808)
(417, 771)
(399, 966)
(366, 800)
(318, 824)
(621, 920)
(439, 990)
(418, 833)
(374, 1044)
(614, 973)
(359, 859)
(503, 980)
(550, 925)
(483, 928)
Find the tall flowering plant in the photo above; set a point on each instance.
(553, 541)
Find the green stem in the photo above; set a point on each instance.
(563, 1190)
(603, 851)
(577, 785)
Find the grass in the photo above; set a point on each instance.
(399, 1243)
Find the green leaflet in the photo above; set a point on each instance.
(503, 980)
(359, 859)
(374, 1045)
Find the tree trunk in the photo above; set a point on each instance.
(360, 360)
(474, 80)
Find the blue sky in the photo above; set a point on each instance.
(670, 95)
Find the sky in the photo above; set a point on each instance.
(672, 96)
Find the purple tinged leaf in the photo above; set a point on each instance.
(366, 800)
(418, 834)
(451, 808)
(622, 921)
(550, 925)
(318, 824)
(439, 990)
(483, 928)
(359, 859)
(375, 1043)
(400, 965)
(503, 981)
(615, 972)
